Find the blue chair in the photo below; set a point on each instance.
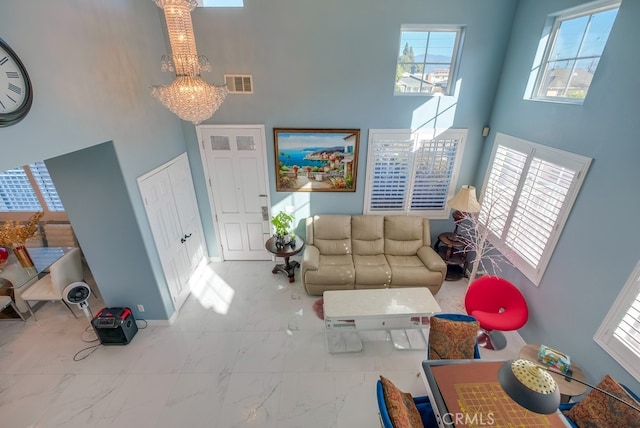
(463, 318)
(422, 403)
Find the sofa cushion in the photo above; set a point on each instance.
(372, 270)
(599, 410)
(333, 270)
(403, 235)
(449, 339)
(332, 234)
(367, 234)
(400, 406)
(409, 271)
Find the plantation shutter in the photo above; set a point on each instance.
(16, 193)
(541, 200)
(45, 185)
(619, 333)
(539, 188)
(504, 178)
(390, 173)
(434, 166)
(628, 330)
(412, 173)
(528, 193)
(27, 189)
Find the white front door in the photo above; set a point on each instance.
(235, 168)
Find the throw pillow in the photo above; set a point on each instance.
(598, 410)
(400, 405)
(450, 339)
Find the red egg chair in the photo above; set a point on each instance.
(498, 306)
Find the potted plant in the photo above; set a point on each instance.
(282, 226)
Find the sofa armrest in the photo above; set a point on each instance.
(432, 260)
(310, 259)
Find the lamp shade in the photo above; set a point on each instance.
(530, 386)
(465, 200)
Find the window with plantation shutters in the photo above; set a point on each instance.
(16, 192)
(619, 333)
(412, 172)
(27, 189)
(528, 194)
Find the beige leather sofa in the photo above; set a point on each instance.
(369, 251)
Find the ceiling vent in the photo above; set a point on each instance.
(239, 83)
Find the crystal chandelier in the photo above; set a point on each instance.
(189, 96)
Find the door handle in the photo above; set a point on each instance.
(187, 236)
(265, 213)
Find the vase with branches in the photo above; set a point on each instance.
(14, 235)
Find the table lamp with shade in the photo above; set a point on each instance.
(463, 202)
(531, 386)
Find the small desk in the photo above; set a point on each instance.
(14, 278)
(454, 255)
(347, 311)
(466, 391)
(285, 252)
(567, 387)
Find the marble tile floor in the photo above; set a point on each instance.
(246, 350)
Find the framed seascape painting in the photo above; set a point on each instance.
(316, 160)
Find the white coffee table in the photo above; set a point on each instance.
(392, 309)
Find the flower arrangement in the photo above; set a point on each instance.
(13, 233)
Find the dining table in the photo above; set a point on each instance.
(14, 278)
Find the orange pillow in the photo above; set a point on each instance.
(400, 405)
(449, 339)
(598, 410)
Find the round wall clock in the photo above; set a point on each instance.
(16, 94)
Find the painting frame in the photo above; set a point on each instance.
(316, 159)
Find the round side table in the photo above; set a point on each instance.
(567, 387)
(286, 252)
(454, 255)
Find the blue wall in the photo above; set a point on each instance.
(92, 64)
(91, 184)
(331, 64)
(596, 252)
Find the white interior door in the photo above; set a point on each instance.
(163, 218)
(235, 167)
(170, 203)
(187, 208)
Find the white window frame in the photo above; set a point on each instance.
(413, 140)
(548, 40)
(625, 308)
(532, 151)
(455, 57)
